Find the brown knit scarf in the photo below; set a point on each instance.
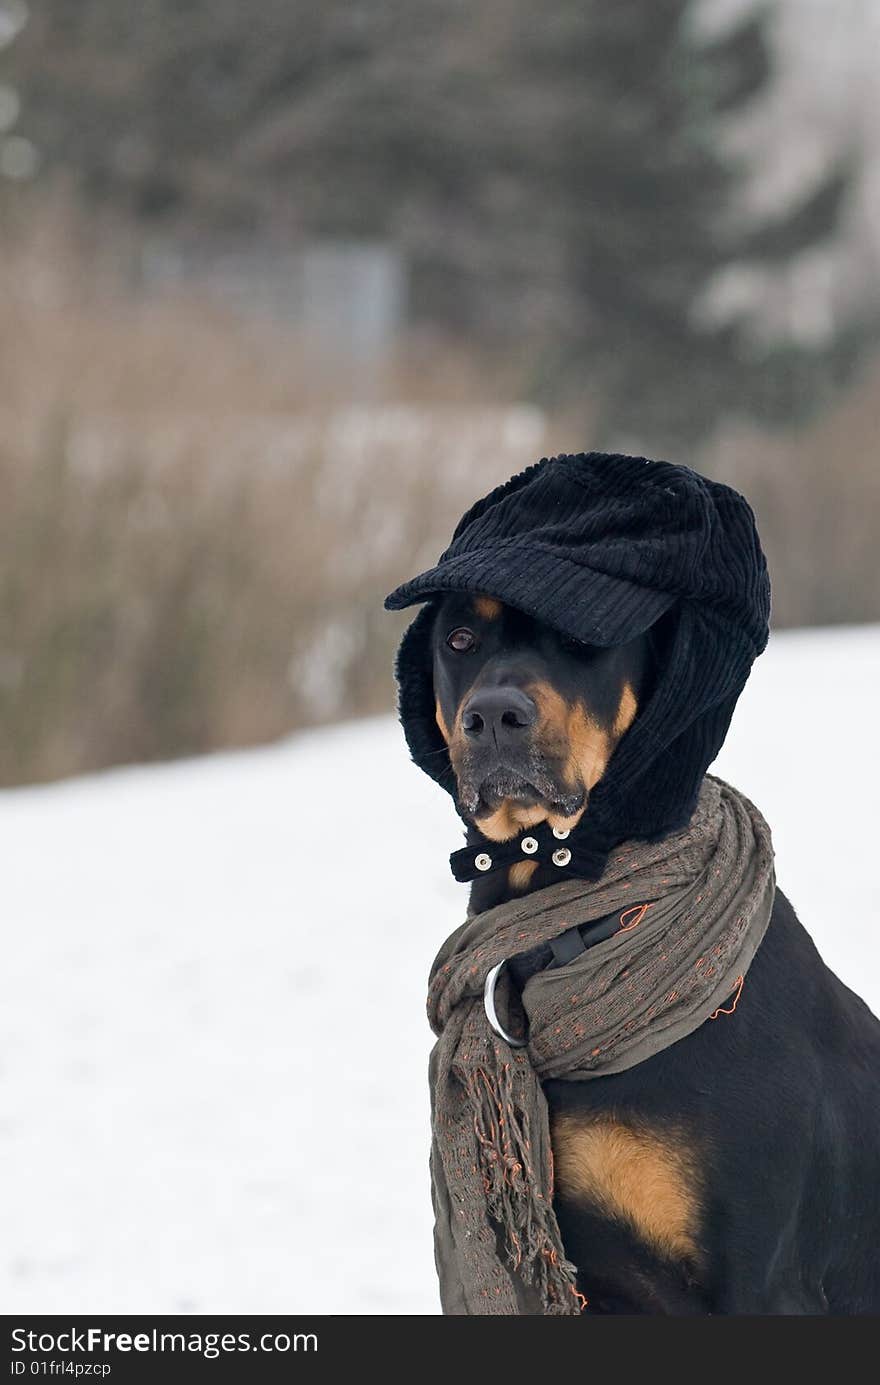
(696, 906)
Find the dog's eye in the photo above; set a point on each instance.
(461, 640)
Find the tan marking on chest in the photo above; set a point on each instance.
(520, 874)
(647, 1178)
(487, 607)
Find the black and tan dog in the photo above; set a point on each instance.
(735, 1172)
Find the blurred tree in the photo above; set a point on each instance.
(554, 175)
(649, 217)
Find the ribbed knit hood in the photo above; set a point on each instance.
(598, 547)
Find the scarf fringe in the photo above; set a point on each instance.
(520, 1208)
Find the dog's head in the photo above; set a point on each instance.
(531, 718)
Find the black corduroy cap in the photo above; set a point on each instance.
(599, 547)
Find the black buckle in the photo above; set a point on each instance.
(566, 947)
(562, 950)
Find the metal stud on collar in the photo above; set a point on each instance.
(561, 857)
(560, 833)
(529, 845)
(492, 1014)
(483, 861)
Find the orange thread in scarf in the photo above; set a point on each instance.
(639, 910)
(720, 1010)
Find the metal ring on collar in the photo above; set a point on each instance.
(492, 1014)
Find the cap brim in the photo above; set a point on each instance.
(578, 601)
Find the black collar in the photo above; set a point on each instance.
(581, 852)
(543, 844)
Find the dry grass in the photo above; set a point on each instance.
(816, 495)
(153, 609)
(194, 540)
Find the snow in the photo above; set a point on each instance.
(213, 1093)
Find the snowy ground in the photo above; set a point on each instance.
(212, 1095)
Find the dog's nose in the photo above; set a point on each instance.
(506, 712)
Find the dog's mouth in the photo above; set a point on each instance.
(534, 788)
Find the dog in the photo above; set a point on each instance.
(736, 1171)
